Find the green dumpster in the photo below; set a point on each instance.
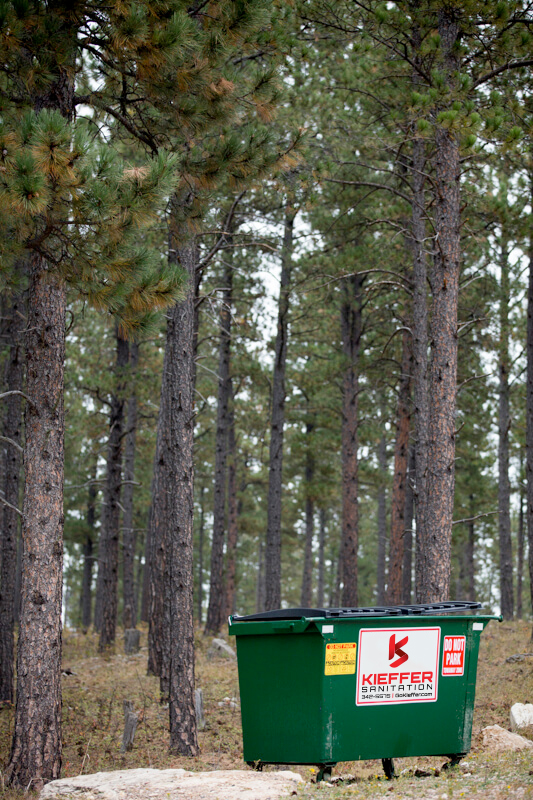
(319, 686)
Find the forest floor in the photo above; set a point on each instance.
(93, 698)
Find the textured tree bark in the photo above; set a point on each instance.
(382, 514)
(217, 592)
(436, 542)
(233, 512)
(14, 313)
(110, 524)
(504, 425)
(351, 335)
(399, 486)
(307, 577)
(273, 537)
(321, 556)
(88, 555)
(128, 532)
(36, 748)
(180, 343)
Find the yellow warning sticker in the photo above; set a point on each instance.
(340, 659)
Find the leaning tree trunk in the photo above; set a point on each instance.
(436, 542)
(307, 577)
(180, 503)
(273, 536)
(351, 335)
(110, 528)
(399, 487)
(504, 424)
(217, 607)
(128, 531)
(36, 749)
(12, 432)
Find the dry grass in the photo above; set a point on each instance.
(93, 724)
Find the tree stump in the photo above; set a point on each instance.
(130, 726)
(199, 708)
(132, 641)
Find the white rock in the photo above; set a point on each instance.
(220, 648)
(174, 784)
(497, 739)
(521, 716)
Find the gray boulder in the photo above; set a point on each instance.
(174, 784)
(220, 649)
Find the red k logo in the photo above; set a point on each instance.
(395, 650)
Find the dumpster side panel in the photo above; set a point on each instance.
(281, 704)
(437, 727)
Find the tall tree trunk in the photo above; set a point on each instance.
(420, 351)
(11, 457)
(399, 487)
(180, 383)
(351, 335)
(36, 748)
(436, 541)
(128, 532)
(260, 586)
(146, 573)
(520, 554)
(382, 513)
(217, 594)
(233, 514)
(407, 579)
(529, 406)
(88, 554)
(157, 537)
(273, 538)
(307, 577)
(321, 558)
(201, 535)
(504, 424)
(110, 525)
(469, 554)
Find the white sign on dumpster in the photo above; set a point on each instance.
(397, 665)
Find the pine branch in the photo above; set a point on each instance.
(20, 394)
(16, 445)
(12, 507)
(504, 68)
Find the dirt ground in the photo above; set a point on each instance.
(94, 689)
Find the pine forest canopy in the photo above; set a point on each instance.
(267, 323)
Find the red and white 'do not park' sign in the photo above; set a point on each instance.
(397, 665)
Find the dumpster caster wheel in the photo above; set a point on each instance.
(388, 768)
(454, 760)
(324, 772)
(256, 765)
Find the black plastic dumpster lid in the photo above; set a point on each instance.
(449, 607)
